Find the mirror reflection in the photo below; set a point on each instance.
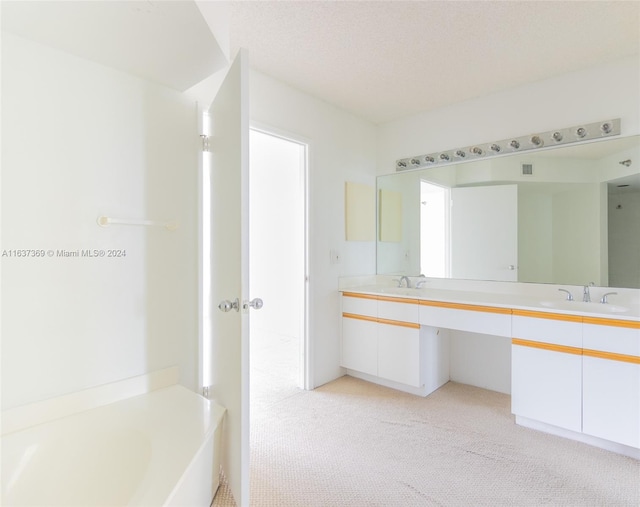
(568, 215)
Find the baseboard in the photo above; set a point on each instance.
(418, 391)
(601, 443)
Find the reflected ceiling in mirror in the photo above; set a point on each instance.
(569, 215)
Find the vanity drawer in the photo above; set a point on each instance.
(360, 305)
(615, 339)
(551, 328)
(403, 311)
(463, 317)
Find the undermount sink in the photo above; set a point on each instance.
(580, 306)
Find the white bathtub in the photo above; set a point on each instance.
(159, 448)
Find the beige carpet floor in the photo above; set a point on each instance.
(352, 443)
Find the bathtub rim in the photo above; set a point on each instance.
(41, 412)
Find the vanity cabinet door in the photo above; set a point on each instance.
(399, 353)
(359, 345)
(546, 371)
(611, 376)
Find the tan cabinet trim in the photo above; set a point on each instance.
(464, 306)
(361, 296)
(625, 358)
(547, 346)
(360, 317)
(545, 315)
(603, 321)
(394, 299)
(390, 322)
(399, 323)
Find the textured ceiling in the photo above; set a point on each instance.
(390, 59)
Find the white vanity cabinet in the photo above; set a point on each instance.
(611, 380)
(546, 368)
(360, 334)
(381, 337)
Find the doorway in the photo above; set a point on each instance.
(277, 260)
(434, 230)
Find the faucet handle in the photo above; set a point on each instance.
(569, 295)
(603, 299)
(398, 281)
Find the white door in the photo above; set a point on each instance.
(229, 268)
(484, 233)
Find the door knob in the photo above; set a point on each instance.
(227, 306)
(255, 303)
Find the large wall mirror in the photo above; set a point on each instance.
(569, 215)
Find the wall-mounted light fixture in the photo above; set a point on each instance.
(577, 134)
(537, 141)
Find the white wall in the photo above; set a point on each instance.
(342, 148)
(599, 93)
(81, 140)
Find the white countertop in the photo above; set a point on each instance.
(554, 303)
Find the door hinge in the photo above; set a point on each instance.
(206, 143)
(206, 391)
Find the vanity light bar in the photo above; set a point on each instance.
(552, 138)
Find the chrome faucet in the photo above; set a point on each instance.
(569, 295)
(406, 279)
(586, 295)
(604, 300)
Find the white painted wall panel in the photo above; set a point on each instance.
(341, 148)
(80, 140)
(480, 360)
